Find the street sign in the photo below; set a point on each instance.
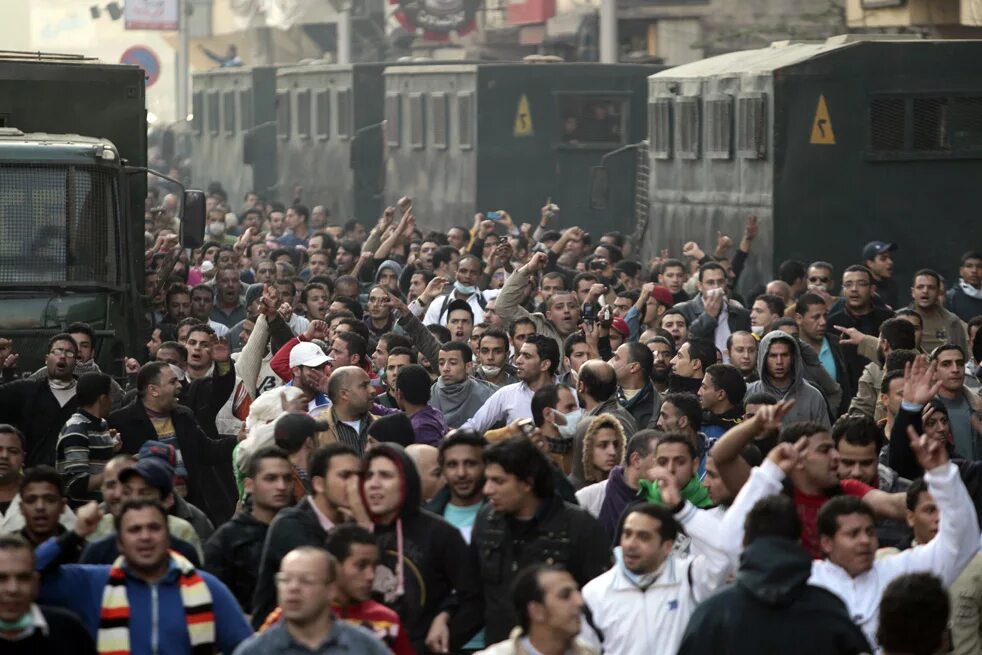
(146, 59)
(150, 14)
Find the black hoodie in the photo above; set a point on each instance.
(773, 609)
(438, 572)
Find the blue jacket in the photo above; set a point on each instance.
(79, 588)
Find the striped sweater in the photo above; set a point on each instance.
(84, 448)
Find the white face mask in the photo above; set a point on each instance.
(489, 371)
(463, 288)
(757, 329)
(566, 423)
(216, 229)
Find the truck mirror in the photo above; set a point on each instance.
(193, 220)
(598, 187)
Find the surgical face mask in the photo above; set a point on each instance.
(489, 371)
(216, 229)
(567, 430)
(757, 329)
(463, 288)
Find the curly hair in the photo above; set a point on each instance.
(591, 473)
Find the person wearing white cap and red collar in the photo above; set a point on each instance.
(878, 257)
(311, 368)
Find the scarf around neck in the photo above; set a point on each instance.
(969, 290)
(114, 617)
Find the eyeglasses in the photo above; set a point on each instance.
(303, 580)
(62, 352)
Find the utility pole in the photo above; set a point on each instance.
(608, 31)
(344, 33)
(183, 61)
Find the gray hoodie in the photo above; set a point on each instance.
(810, 404)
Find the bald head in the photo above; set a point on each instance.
(598, 379)
(427, 465)
(350, 389)
(780, 288)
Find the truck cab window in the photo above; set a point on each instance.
(592, 119)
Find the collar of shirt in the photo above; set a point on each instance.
(326, 523)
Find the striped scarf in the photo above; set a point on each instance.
(114, 617)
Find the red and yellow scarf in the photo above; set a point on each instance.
(114, 617)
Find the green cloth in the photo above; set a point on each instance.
(693, 492)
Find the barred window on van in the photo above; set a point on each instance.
(751, 131)
(393, 118)
(719, 127)
(929, 126)
(687, 127)
(660, 127)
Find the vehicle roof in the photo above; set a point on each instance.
(40, 146)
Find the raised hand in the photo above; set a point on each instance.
(787, 455)
(671, 495)
(537, 262)
(433, 289)
(919, 384)
(849, 335)
(316, 330)
(930, 453)
(713, 304)
(692, 249)
(394, 302)
(751, 230)
(87, 518)
(723, 244)
(132, 366)
(270, 301)
(769, 417)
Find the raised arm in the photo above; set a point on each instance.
(733, 469)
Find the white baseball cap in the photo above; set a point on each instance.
(308, 354)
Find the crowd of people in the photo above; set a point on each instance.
(502, 438)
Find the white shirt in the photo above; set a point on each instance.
(509, 403)
(722, 332)
(946, 555)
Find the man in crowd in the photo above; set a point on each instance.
(457, 393)
(234, 551)
(711, 315)
(493, 356)
(548, 608)
(190, 608)
(766, 309)
(40, 408)
(348, 418)
(647, 574)
(519, 487)
(465, 289)
(310, 520)
(157, 416)
(762, 617)
(607, 499)
(424, 559)
(857, 310)
(811, 315)
(782, 373)
(878, 258)
(85, 444)
(597, 394)
(741, 348)
(963, 406)
(30, 628)
(965, 297)
(461, 461)
(633, 364)
(412, 390)
(12, 449)
(940, 326)
(721, 397)
(845, 528)
(689, 365)
(305, 589)
(42, 501)
(536, 365)
(897, 335)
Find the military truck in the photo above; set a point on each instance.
(73, 184)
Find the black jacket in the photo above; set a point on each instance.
(233, 553)
(772, 609)
(439, 571)
(203, 456)
(65, 634)
(644, 406)
(30, 406)
(703, 326)
(870, 324)
(902, 459)
(559, 533)
(843, 375)
(293, 527)
(206, 397)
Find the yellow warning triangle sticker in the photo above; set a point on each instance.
(523, 118)
(822, 133)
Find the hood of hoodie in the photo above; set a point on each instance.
(409, 477)
(798, 373)
(773, 569)
(389, 263)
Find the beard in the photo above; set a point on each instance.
(659, 374)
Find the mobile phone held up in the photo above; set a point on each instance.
(493, 216)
